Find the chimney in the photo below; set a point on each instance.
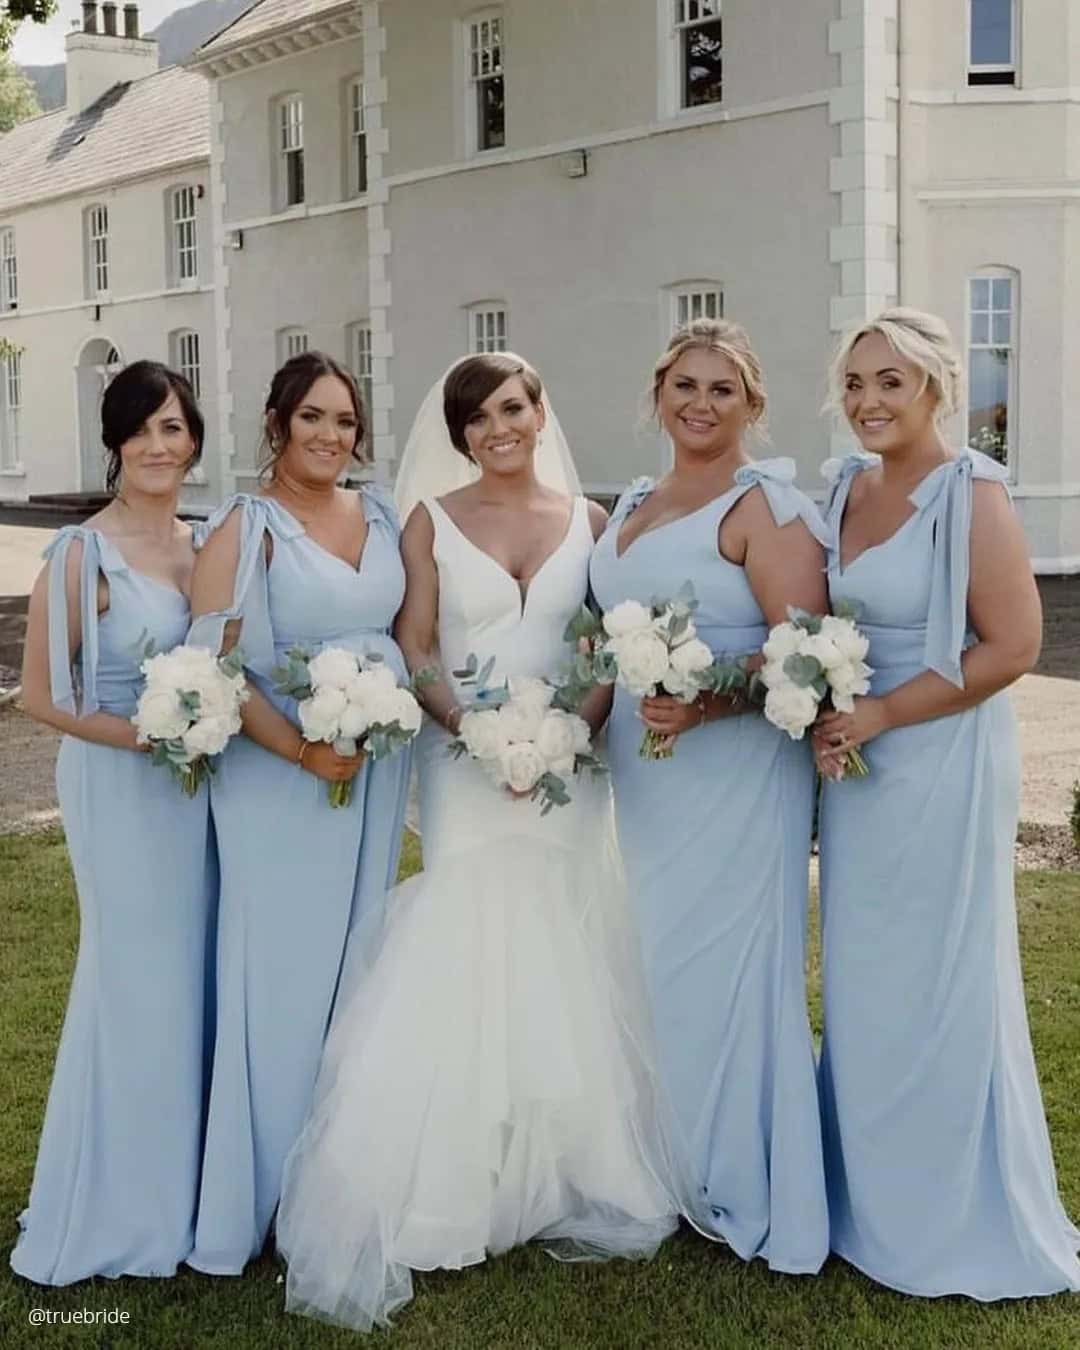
(99, 59)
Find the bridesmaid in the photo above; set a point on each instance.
(304, 563)
(940, 1175)
(716, 839)
(117, 1170)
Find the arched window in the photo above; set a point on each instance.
(489, 326)
(183, 233)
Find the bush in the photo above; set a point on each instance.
(1074, 816)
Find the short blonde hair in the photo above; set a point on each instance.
(921, 338)
(730, 340)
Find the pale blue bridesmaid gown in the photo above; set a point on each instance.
(296, 873)
(940, 1175)
(117, 1170)
(716, 841)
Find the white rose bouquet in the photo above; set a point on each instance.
(523, 742)
(651, 649)
(350, 701)
(188, 709)
(809, 659)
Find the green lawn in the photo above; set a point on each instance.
(693, 1294)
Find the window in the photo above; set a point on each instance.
(185, 240)
(97, 250)
(10, 411)
(487, 92)
(488, 328)
(9, 272)
(357, 139)
(361, 362)
(291, 145)
(292, 342)
(186, 359)
(696, 300)
(992, 364)
(699, 39)
(992, 42)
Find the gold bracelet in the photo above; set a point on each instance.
(455, 731)
(304, 744)
(701, 709)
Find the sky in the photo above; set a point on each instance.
(42, 44)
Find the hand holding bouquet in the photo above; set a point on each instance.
(353, 703)
(525, 744)
(188, 709)
(810, 659)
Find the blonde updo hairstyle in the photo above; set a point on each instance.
(728, 339)
(921, 338)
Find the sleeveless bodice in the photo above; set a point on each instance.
(105, 671)
(481, 610)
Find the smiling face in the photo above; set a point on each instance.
(156, 456)
(322, 433)
(887, 398)
(702, 403)
(501, 433)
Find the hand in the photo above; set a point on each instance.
(322, 760)
(669, 716)
(837, 733)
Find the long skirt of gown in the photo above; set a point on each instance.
(117, 1171)
(485, 1081)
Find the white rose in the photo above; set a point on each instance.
(827, 654)
(354, 721)
(320, 715)
(209, 736)
(846, 681)
(582, 735)
(555, 739)
(791, 709)
(773, 675)
(851, 644)
(642, 659)
(527, 689)
(396, 705)
(691, 656)
(333, 668)
(483, 734)
(627, 617)
(784, 641)
(381, 675)
(521, 767)
(159, 716)
(679, 686)
(521, 719)
(364, 690)
(562, 768)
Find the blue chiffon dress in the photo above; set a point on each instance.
(716, 841)
(296, 873)
(940, 1175)
(117, 1171)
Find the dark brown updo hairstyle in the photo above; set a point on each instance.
(475, 379)
(133, 396)
(289, 388)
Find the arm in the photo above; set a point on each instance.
(100, 728)
(212, 591)
(596, 705)
(1004, 610)
(416, 628)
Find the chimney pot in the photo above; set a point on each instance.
(108, 17)
(131, 21)
(89, 16)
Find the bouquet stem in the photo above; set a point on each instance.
(855, 766)
(341, 793)
(191, 776)
(655, 745)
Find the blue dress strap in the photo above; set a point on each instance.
(631, 498)
(776, 478)
(839, 473)
(946, 494)
(95, 559)
(251, 599)
(379, 508)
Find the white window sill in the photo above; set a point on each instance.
(18, 471)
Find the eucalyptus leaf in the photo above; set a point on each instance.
(802, 670)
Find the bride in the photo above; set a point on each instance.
(486, 1079)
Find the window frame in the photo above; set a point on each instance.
(471, 24)
(687, 291)
(96, 227)
(1009, 451)
(292, 341)
(184, 235)
(680, 26)
(356, 135)
(289, 150)
(361, 359)
(11, 378)
(479, 343)
(994, 74)
(183, 339)
(9, 270)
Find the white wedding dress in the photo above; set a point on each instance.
(487, 1078)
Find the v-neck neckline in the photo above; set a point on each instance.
(842, 568)
(352, 567)
(523, 595)
(138, 571)
(654, 529)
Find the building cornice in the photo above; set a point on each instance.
(990, 96)
(280, 44)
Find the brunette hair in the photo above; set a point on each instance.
(134, 395)
(475, 379)
(289, 388)
(730, 340)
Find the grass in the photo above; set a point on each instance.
(693, 1294)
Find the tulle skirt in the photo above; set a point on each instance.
(487, 1079)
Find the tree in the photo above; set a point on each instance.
(12, 13)
(17, 98)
